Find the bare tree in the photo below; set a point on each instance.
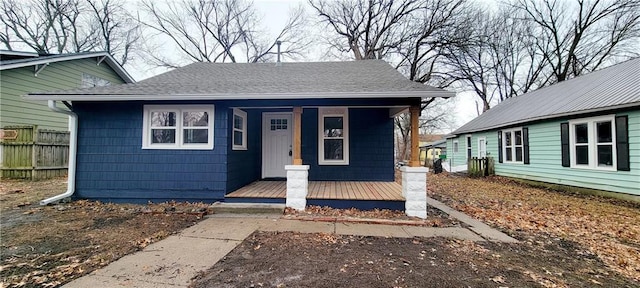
(46, 26)
(219, 31)
(367, 29)
(581, 36)
(498, 60)
(528, 44)
(119, 33)
(63, 26)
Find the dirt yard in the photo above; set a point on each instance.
(268, 259)
(566, 241)
(49, 246)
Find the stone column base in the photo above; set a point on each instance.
(297, 186)
(414, 191)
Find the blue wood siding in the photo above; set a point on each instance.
(370, 147)
(245, 166)
(113, 167)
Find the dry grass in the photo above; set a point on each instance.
(608, 228)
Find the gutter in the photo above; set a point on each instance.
(73, 148)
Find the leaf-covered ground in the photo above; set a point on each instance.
(608, 228)
(51, 245)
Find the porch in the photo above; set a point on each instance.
(337, 194)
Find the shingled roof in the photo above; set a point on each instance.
(354, 79)
(611, 88)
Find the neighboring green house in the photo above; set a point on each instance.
(23, 72)
(582, 132)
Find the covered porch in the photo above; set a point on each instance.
(358, 194)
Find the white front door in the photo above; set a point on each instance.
(276, 143)
(482, 147)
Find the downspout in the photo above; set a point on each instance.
(73, 148)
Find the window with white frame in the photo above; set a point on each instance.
(333, 146)
(178, 127)
(512, 145)
(455, 146)
(239, 130)
(592, 143)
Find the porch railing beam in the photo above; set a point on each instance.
(297, 135)
(414, 111)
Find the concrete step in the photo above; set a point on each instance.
(247, 208)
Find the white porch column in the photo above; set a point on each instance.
(297, 186)
(414, 190)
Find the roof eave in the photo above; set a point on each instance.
(552, 116)
(229, 96)
(109, 59)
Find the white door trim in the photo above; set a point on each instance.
(265, 127)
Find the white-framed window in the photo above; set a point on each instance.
(178, 127)
(592, 143)
(239, 130)
(455, 146)
(333, 136)
(512, 145)
(468, 146)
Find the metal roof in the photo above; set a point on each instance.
(203, 80)
(101, 56)
(614, 87)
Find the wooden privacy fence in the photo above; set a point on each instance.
(29, 153)
(479, 167)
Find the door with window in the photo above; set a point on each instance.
(276, 144)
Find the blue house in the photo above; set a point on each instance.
(583, 132)
(319, 131)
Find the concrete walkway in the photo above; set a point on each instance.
(173, 261)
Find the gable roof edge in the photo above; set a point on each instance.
(47, 59)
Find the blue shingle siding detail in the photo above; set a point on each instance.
(370, 147)
(245, 166)
(112, 166)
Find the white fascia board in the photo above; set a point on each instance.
(110, 61)
(253, 96)
(19, 53)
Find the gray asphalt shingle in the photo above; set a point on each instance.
(267, 78)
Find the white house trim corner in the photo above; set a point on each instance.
(414, 191)
(297, 186)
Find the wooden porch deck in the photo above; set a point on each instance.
(338, 190)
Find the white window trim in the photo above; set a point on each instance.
(485, 147)
(513, 145)
(456, 146)
(243, 115)
(146, 127)
(592, 145)
(333, 112)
